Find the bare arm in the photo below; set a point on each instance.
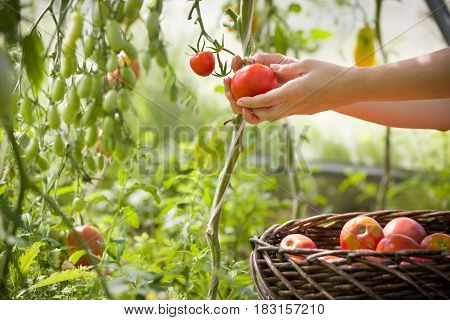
(314, 86)
(415, 114)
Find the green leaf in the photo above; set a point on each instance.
(320, 34)
(27, 259)
(33, 58)
(131, 217)
(148, 188)
(219, 88)
(74, 257)
(294, 7)
(63, 276)
(280, 40)
(122, 175)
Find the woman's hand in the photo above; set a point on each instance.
(306, 87)
(262, 58)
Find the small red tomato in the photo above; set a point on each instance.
(297, 241)
(253, 80)
(407, 227)
(397, 242)
(436, 241)
(202, 63)
(92, 237)
(361, 233)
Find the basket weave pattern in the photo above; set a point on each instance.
(359, 275)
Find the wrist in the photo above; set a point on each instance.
(361, 84)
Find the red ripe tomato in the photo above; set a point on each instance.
(92, 236)
(297, 241)
(361, 233)
(436, 241)
(253, 80)
(397, 242)
(202, 63)
(407, 227)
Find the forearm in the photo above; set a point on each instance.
(420, 78)
(417, 114)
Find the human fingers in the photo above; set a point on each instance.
(270, 58)
(227, 85)
(272, 113)
(291, 70)
(273, 97)
(236, 63)
(249, 116)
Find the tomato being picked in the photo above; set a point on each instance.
(202, 63)
(253, 80)
(297, 241)
(397, 242)
(436, 241)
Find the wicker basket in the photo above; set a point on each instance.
(358, 275)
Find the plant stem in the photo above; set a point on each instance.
(212, 230)
(294, 180)
(386, 177)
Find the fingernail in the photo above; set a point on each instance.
(242, 102)
(275, 66)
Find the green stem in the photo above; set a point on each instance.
(236, 147)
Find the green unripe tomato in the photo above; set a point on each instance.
(58, 89)
(128, 77)
(112, 63)
(68, 46)
(146, 60)
(97, 86)
(89, 115)
(68, 66)
(72, 98)
(27, 110)
(132, 8)
(110, 101)
(114, 35)
(108, 126)
(108, 145)
(32, 149)
(53, 118)
(78, 204)
(75, 26)
(100, 162)
(124, 99)
(89, 46)
(58, 146)
(152, 25)
(91, 136)
(100, 14)
(90, 163)
(8, 102)
(84, 86)
(42, 162)
(130, 50)
(70, 111)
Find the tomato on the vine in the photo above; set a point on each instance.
(114, 35)
(110, 101)
(124, 99)
(108, 126)
(130, 51)
(91, 135)
(84, 86)
(132, 8)
(89, 46)
(54, 121)
(27, 110)
(68, 66)
(58, 145)
(58, 89)
(202, 63)
(100, 13)
(32, 148)
(92, 238)
(253, 80)
(128, 77)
